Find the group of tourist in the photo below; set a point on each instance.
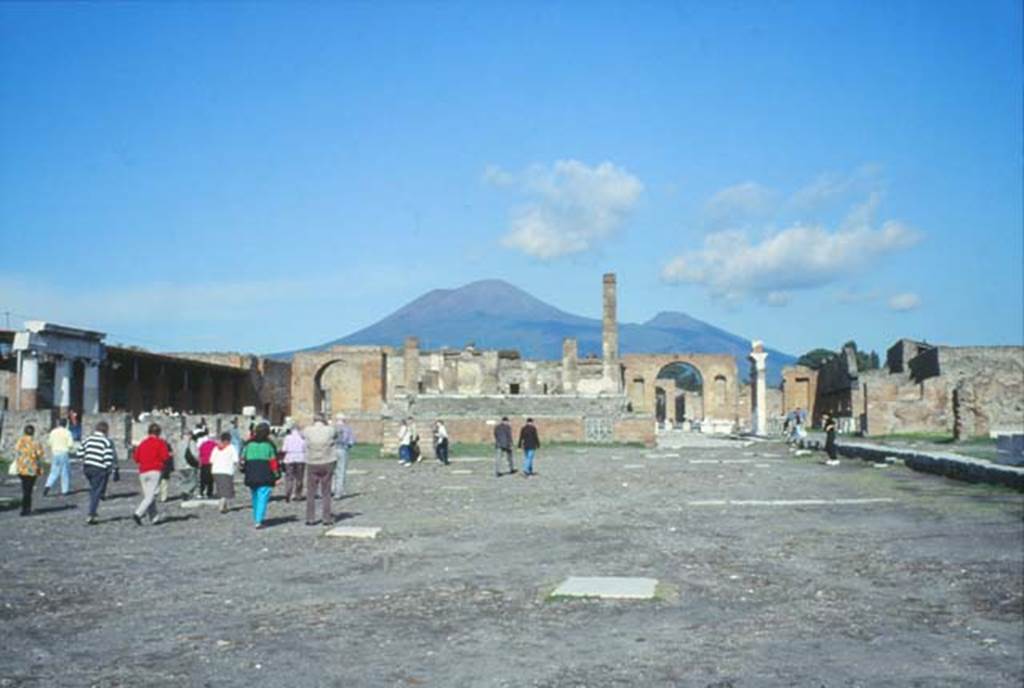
(529, 441)
(313, 460)
(793, 427)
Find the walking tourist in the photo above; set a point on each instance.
(61, 442)
(236, 436)
(152, 456)
(294, 448)
(99, 460)
(441, 442)
(27, 455)
(166, 472)
(503, 447)
(186, 465)
(405, 443)
(344, 440)
(829, 426)
(206, 446)
(259, 466)
(320, 461)
(529, 442)
(223, 460)
(75, 425)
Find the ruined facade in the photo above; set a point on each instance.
(923, 388)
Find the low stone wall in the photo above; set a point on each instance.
(948, 465)
(14, 423)
(514, 405)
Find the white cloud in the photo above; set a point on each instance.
(570, 206)
(740, 203)
(906, 301)
(733, 266)
(831, 188)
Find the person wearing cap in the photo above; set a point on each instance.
(343, 442)
(503, 447)
(529, 442)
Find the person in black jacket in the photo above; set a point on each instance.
(829, 426)
(503, 447)
(529, 442)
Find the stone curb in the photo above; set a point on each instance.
(948, 465)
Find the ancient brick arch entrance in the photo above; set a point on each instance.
(719, 384)
(353, 380)
(679, 392)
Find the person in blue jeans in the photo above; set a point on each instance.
(529, 442)
(61, 442)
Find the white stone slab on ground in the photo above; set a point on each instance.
(454, 487)
(468, 459)
(199, 503)
(358, 532)
(355, 471)
(607, 588)
(634, 465)
(461, 471)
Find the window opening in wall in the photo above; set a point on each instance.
(545, 388)
(513, 388)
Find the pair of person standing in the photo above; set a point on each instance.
(529, 442)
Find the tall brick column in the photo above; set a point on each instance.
(570, 359)
(412, 365)
(610, 335)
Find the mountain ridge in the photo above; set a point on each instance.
(494, 314)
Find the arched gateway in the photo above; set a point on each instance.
(682, 389)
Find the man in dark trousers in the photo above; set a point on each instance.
(529, 442)
(503, 446)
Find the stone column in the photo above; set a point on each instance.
(91, 388)
(135, 389)
(570, 358)
(28, 385)
(62, 385)
(184, 396)
(412, 365)
(610, 335)
(758, 384)
(206, 393)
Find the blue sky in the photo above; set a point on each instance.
(270, 176)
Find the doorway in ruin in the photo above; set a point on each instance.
(337, 386)
(679, 396)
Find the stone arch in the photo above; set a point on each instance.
(718, 373)
(337, 387)
(682, 386)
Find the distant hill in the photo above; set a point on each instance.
(493, 314)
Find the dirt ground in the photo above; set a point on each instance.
(920, 586)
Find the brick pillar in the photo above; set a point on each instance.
(610, 335)
(412, 365)
(91, 388)
(62, 385)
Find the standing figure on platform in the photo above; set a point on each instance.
(405, 444)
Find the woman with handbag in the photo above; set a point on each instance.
(261, 470)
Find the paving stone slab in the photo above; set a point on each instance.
(358, 532)
(454, 487)
(469, 459)
(356, 471)
(607, 588)
(634, 465)
(461, 471)
(199, 503)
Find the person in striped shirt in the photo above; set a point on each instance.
(99, 459)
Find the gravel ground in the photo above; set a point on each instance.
(924, 589)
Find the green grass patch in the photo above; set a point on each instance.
(364, 451)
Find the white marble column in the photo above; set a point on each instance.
(91, 388)
(758, 386)
(28, 385)
(62, 384)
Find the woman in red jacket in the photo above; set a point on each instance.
(151, 455)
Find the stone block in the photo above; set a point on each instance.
(356, 532)
(607, 587)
